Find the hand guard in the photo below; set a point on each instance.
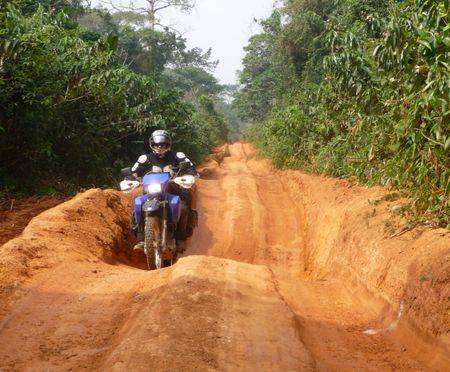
(128, 186)
(186, 182)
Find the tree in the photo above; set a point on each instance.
(73, 109)
(213, 121)
(145, 50)
(149, 14)
(259, 76)
(28, 7)
(193, 81)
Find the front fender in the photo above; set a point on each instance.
(151, 205)
(138, 203)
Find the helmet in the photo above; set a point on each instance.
(160, 142)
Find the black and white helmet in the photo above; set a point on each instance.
(160, 142)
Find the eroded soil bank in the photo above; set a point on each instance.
(16, 214)
(308, 274)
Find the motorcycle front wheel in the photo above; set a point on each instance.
(152, 234)
(153, 239)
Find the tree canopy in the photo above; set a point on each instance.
(79, 98)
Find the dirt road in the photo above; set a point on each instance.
(286, 272)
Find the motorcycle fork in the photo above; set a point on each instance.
(164, 225)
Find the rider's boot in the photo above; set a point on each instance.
(139, 246)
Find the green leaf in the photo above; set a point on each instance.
(428, 86)
(447, 144)
(377, 49)
(426, 44)
(445, 64)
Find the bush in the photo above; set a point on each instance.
(70, 111)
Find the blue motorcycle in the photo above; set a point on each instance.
(157, 213)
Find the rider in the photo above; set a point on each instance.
(163, 159)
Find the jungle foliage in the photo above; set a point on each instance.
(73, 109)
(356, 88)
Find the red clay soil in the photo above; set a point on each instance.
(16, 214)
(292, 272)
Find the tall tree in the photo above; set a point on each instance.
(149, 13)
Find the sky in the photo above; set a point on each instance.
(223, 25)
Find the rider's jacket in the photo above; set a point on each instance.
(169, 163)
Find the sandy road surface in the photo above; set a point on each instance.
(270, 283)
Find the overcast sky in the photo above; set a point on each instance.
(223, 25)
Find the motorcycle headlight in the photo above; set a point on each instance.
(154, 188)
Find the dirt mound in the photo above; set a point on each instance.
(202, 314)
(210, 314)
(219, 154)
(209, 169)
(91, 226)
(16, 214)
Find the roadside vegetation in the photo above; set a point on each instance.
(355, 88)
(81, 89)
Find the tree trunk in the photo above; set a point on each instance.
(151, 14)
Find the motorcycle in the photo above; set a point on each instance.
(158, 212)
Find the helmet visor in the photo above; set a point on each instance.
(161, 145)
(160, 140)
